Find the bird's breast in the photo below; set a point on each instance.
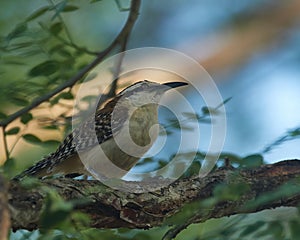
(143, 125)
(128, 145)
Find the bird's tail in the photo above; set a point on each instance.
(39, 169)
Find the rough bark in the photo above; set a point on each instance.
(109, 208)
(4, 212)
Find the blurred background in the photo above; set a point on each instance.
(250, 48)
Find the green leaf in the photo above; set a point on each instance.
(19, 101)
(144, 161)
(227, 100)
(44, 69)
(30, 183)
(54, 101)
(15, 62)
(32, 139)
(121, 9)
(17, 31)
(56, 48)
(37, 13)
(3, 115)
(193, 169)
(65, 53)
(16, 46)
(50, 127)
(70, 8)
(252, 228)
(89, 98)
(223, 103)
(210, 111)
(63, 7)
(63, 95)
(51, 143)
(13, 131)
(190, 115)
(253, 160)
(295, 230)
(161, 163)
(205, 110)
(66, 95)
(90, 77)
(25, 118)
(59, 8)
(8, 166)
(56, 28)
(56, 211)
(187, 128)
(232, 191)
(277, 229)
(174, 123)
(295, 132)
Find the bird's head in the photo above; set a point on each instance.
(145, 92)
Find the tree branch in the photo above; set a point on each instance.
(133, 14)
(110, 208)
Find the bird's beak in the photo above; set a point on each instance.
(175, 84)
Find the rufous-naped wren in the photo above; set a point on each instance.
(135, 108)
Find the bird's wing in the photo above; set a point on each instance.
(98, 129)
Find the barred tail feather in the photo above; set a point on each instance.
(36, 169)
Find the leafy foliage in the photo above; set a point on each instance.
(288, 136)
(41, 47)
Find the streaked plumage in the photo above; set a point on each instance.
(107, 121)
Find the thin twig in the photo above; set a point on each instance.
(5, 143)
(114, 85)
(132, 17)
(75, 46)
(19, 136)
(69, 43)
(173, 232)
(63, 22)
(289, 135)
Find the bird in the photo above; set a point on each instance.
(121, 130)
